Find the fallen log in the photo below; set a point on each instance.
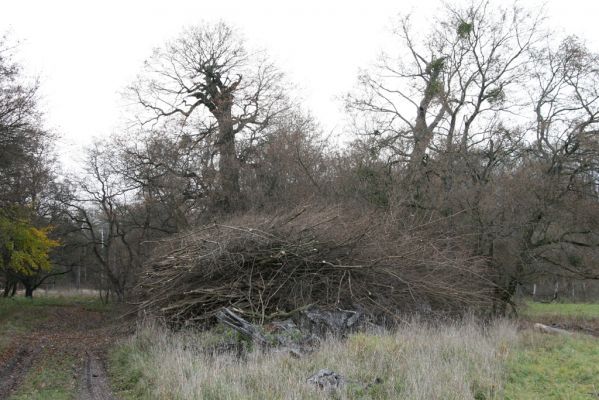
(245, 328)
(551, 330)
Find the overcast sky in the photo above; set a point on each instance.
(86, 52)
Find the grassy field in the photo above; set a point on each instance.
(532, 310)
(19, 315)
(417, 362)
(556, 367)
(462, 361)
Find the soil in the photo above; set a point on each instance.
(93, 382)
(71, 330)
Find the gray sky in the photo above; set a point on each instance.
(86, 52)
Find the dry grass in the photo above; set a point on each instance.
(460, 361)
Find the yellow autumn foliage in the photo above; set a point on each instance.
(24, 248)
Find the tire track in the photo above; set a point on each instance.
(14, 371)
(71, 331)
(93, 382)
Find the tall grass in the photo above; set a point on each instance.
(460, 361)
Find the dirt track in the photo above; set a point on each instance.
(93, 382)
(13, 371)
(73, 331)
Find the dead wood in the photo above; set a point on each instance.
(551, 330)
(332, 258)
(246, 329)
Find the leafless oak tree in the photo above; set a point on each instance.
(207, 81)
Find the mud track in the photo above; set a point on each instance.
(93, 382)
(13, 372)
(73, 331)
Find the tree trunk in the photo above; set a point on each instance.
(28, 291)
(503, 297)
(423, 131)
(11, 287)
(228, 164)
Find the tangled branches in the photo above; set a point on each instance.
(266, 267)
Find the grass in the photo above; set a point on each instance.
(52, 375)
(32, 311)
(463, 361)
(556, 310)
(20, 315)
(51, 379)
(554, 367)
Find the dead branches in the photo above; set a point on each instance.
(331, 258)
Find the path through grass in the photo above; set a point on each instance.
(43, 342)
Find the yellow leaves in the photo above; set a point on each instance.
(25, 249)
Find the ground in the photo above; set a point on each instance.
(77, 348)
(55, 348)
(556, 367)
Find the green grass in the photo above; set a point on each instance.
(17, 317)
(570, 310)
(25, 314)
(554, 367)
(126, 372)
(52, 379)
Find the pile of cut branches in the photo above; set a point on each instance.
(267, 267)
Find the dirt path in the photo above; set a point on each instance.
(15, 368)
(72, 331)
(93, 382)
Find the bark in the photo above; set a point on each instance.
(423, 130)
(228, 164)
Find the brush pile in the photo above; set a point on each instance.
(333, 258)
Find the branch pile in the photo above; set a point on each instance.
(266, 267)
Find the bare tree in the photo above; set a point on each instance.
(563, 235)
(97, 202)
(207, 82)
(173, 178)
(25, 146)
(446, 94)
